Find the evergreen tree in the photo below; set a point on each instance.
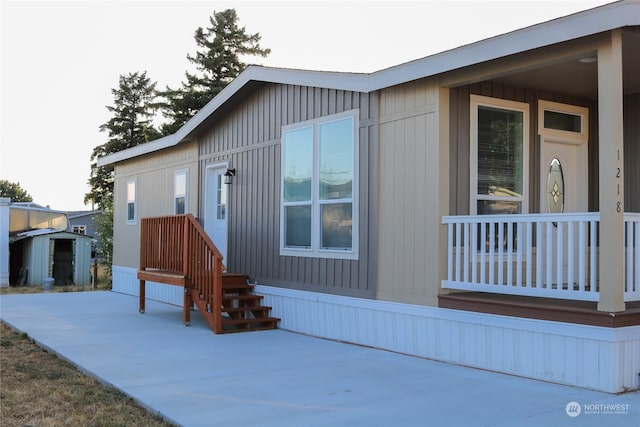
(218, 62)
(14, 191)
(131, 124)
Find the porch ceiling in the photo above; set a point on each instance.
(573, 77)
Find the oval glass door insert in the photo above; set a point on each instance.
(555, 187)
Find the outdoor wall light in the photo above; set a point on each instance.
(228, 176)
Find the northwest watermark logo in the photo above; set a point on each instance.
(573, 409)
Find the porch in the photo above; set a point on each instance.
(541, 266)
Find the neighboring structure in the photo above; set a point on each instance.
(84, 222)
(40, 254)
(5, 202)
(39, 245)
(480, 206)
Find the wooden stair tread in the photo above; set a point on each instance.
(238, 286)
(242, 297)
(248, 308)
(226, 321)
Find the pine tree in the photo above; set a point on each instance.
(218, 62)
(14, 191)
(131, 124)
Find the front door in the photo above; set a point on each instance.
(217, 208)
(563, 176)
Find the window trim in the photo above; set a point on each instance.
(315, 250)
(184, 172)
(564, 135)
(503, 104)
(133, 220)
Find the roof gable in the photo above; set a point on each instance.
(582, 24)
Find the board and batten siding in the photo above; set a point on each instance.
(247, 138)
(460, 143)
(154, 174)
(632, 153)
(411, 182)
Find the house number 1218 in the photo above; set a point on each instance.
(618, 175)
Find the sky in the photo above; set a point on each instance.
(59, 61)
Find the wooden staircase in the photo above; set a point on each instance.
(241, 309)
(175, 250)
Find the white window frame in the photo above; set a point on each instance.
(485, 101)
(563, 135)
(177, 195)
(315, 251)
(79, 229)
(134, 220)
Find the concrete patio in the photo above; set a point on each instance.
(276, 378)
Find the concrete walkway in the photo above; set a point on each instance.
(277, 378)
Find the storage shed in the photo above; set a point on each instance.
(38, 254)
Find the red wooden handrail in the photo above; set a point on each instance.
(179, 244)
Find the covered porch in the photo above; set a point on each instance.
(579, 261)
(545, 266)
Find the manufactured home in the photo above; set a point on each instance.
(479, 206)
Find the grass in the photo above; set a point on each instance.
(39, 389)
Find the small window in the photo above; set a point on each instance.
(221, 198)
(79, 229)
(319, 187)
(562, 121)
(131, 201)
(566, 122)
(180, 192)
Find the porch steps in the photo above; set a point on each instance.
(241, 308)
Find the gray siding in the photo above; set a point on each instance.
(460, 143)
(632, 153)
(248, 138)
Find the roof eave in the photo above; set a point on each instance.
(593, 21)
(139, 150)
(581, 24)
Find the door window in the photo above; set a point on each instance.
(555, 187)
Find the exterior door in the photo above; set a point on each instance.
(563, 179)
(216, 208)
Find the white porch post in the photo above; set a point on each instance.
(611, 175)
(4, 241)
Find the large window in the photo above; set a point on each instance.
(131, 201)
(319, 188)
(499, 156)
(180, 192)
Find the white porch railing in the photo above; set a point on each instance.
(543, 255)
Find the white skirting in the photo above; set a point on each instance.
(125, 281)
(606, 359)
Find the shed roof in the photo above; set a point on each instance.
(589, 22)
(46, 232)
